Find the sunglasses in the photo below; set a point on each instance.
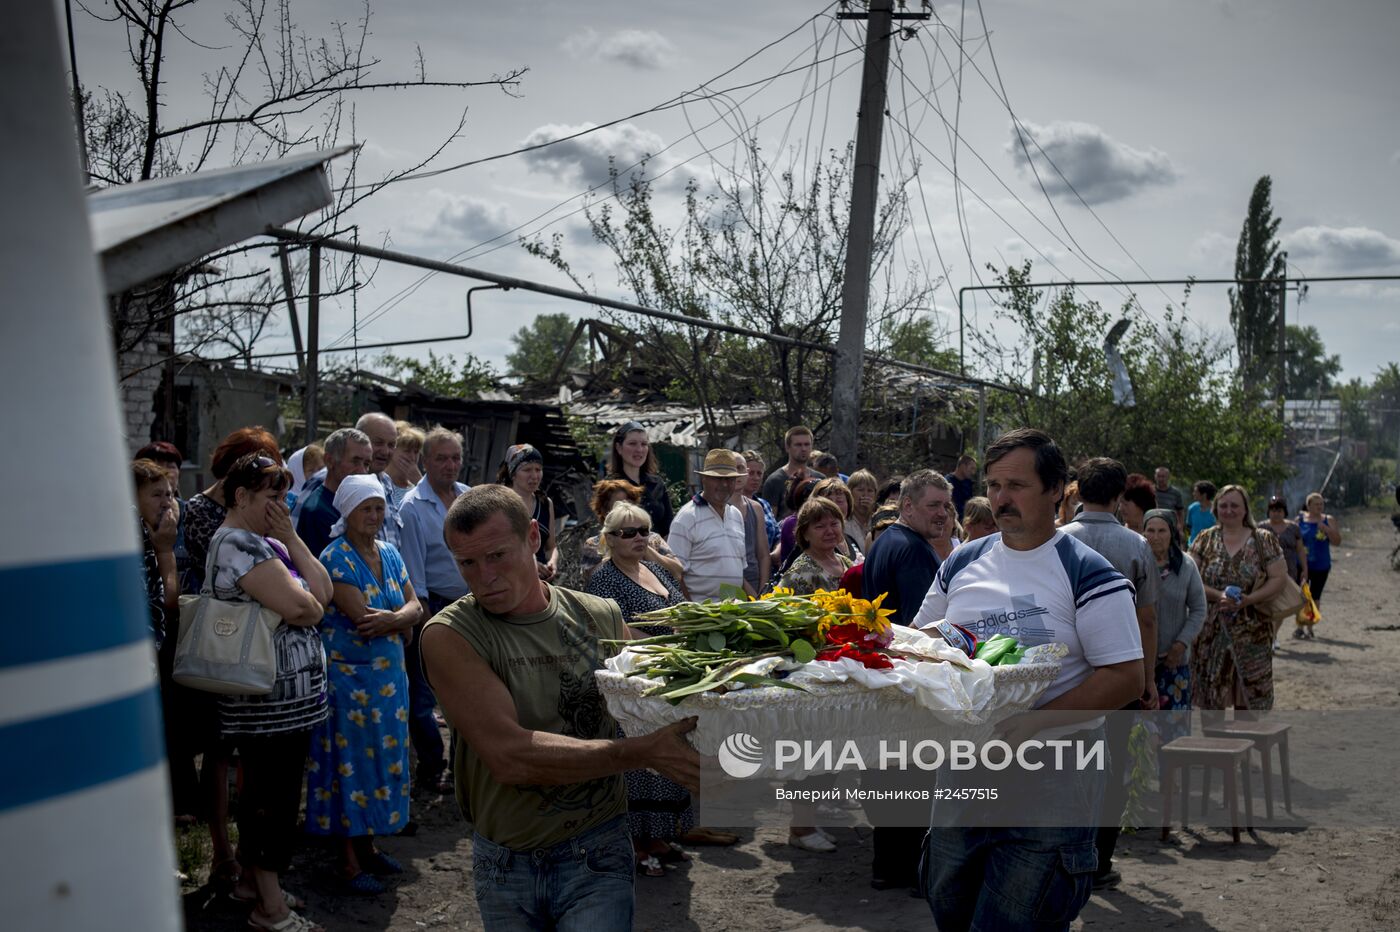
(265, 462)
(627, 533)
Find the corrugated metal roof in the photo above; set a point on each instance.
(678, 425)
(149, 228)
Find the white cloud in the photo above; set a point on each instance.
(465, 218)
(1348, 249)
(587, 157)
(1098, 166)
(643, 49)
(1215, 250)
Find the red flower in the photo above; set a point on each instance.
(854, 634)
(871, 659)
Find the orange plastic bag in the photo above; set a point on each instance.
(1309, 614)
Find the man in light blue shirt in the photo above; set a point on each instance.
(382, 434)
(433, 572)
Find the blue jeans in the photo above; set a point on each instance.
(580, 885)
(422, 727)
(989, 878)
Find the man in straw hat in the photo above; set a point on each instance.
(707, 535)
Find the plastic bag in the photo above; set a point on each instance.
(1309, 614)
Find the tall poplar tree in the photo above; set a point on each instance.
(1254, 308)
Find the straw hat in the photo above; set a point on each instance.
(719, 464)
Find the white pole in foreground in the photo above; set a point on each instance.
(85, 818)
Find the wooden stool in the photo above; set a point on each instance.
(1265, 735)
(1222, 753)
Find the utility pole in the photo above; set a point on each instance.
(1282, 376)
(855, 287)
(292, 308)
(313, 345)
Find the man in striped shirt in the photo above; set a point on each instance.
(1035, 583)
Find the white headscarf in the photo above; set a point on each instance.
(354, 491)
(294, 463)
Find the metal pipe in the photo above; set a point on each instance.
(507, 281)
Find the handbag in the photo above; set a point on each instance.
(1310, 614)
(225, 647)
(1283, 604)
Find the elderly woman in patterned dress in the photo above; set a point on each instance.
(358, 784)
(1232, 661)
(658, 811)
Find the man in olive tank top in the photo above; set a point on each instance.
(538, 767)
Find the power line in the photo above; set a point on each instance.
(1000, 92)
(677, 101)
(473, 252)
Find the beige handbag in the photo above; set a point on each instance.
(225, 647)
(1285, 603)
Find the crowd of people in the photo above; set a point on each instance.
(409, 600)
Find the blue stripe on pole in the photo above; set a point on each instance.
(59, 754)
(67, 609)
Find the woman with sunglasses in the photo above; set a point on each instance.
(255, 556)
(658, 811)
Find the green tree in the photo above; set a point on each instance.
(1190, 413)
(763, 249)
(1309, 370)
(538, 346)
(1254, 307)
(441, 374)
(914, 339)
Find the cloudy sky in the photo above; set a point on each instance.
(1158, 120)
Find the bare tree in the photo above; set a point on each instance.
(273, 90)
(763, 249)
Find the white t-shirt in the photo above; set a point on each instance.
(711, 550)
(1061, 592)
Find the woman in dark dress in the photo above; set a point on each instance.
(633, 460)
(658, 811)
(523, 472)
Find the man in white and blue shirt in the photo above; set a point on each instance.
(707, 534)
(1041, 586)
(433, 572)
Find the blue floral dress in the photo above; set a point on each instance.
(357, 780)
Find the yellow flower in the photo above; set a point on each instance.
(323, 794)
(376, 715)
(381, 663)
(777, 593)
(360, 696)
(346, 769)
(345, 821)
(340, 741)
(390, 741)
(382, 793)
(313, 767)
(323, 823)
(394, 817)
(388, 689)
(396, 768)
(870, 615)
(356, 716)
(369, 752)
(403, 790)
(360, 799)
(337, 655)
(401, 714)
(345, 668)
(325, 744)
